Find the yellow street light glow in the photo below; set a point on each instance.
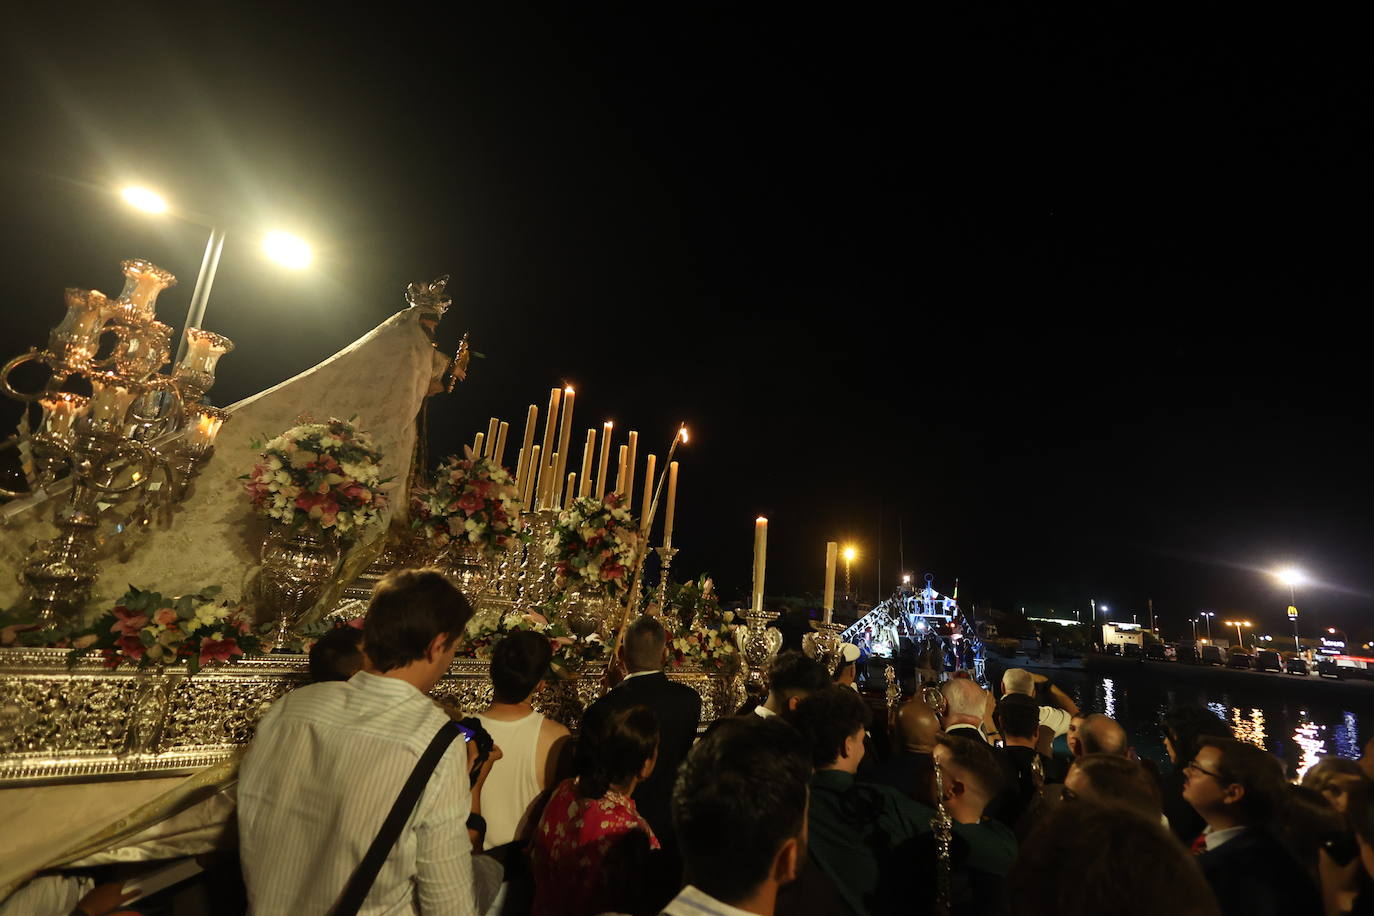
(1291, 576)
(287, 250)
(849, 554)
(144, 199)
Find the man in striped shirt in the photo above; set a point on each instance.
(329, 760)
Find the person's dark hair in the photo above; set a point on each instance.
(337, 655)
(1360, 811)
(739, 796)
(1071, 865)
(826, 718)
(1122, 781)
(978, 760)
(644, 642)
(1307, 821)
(792, 673)
(614, 749)
(1259, 772)
(1184, 725)
(1018, 716)
(518, 663)
(409, 608)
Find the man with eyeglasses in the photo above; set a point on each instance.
(1238, 789)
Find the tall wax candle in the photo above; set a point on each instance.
(588, 455)
(565, 433)
(630, 469)
(526, 448)
(550, 424)
(499, 454)
(760, 558)
(549, 499)
(477, 445)
(620, 472)
(572, 489)
(493, 426)
(671, 511)
(828, 601)
(601, 481)
(648, 496)
(530, 475)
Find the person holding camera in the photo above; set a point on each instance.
(350, 799)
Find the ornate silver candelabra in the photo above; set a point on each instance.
(138, 436)
(665, 559)
(824, 645)
(758, 643)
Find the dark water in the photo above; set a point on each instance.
(1298, 729)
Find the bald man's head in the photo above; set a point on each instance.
(917, 727)
(1099, 734)
(965, 698)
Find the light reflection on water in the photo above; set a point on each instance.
(1299, 731)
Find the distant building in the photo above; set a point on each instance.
(1122, 634)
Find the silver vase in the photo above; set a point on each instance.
(466, 567)
(297, 565)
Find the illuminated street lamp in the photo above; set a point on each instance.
(1238, 624)
(1207, 616)
(1292, 577)
(285, 249)
(849, 554)
(1193, 621)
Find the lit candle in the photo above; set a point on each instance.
(477, 445)
(493, 426)
(672, 504)
(630, 468)
(620, 471)
(202, 431)
(828, 601)
(605, 457)
(565, 432)
(526, 449)
(60, 412)
(499, 454)
(110, 402)
(648, 496)
(550, 424)
(760, 555)
(588, 455)
(528, 490)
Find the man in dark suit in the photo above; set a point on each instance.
(1238, 788)
(676, 706)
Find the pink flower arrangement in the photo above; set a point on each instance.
(470, 501)
(323, 474)
(145, 629)
(593, 546)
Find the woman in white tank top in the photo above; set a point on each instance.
(527, 740)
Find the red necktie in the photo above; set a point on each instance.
(1199, 844)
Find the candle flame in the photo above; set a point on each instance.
(609, 424)
(683, 433)
(568, 390)
(760, 519)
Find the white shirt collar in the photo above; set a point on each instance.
(641, 674)
(1214, 838)
(763, 711)
(694, 902)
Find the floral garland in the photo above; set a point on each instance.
(593, 546)
(571, 653)
(327, 475)
(470, 499)
(713, 648)
(146, 629)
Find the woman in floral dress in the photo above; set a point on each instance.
(591, 842)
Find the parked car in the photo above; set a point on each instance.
(1112, 648)
(1268, 660)
(1211, 655)
(1155, 652)
(1328, 668)
(1188, 655)
(1295, 665)
(1131, 650)
(1238, 660)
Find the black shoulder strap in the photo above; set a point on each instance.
(371, 865)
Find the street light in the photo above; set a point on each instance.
(283, 248)
(1292, 577)
(849, 554)
(1238, 624)
(1208, 615)
(1193, 621)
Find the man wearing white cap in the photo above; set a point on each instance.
(846, 670)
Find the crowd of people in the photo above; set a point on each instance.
(360, 794)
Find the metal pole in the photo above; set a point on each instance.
(1293, 600)
(195, 314)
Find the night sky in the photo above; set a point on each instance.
(1069, 297)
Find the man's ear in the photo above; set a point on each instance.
(787, 862)
(792, 703)
(438, 646)
(1233, 793)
